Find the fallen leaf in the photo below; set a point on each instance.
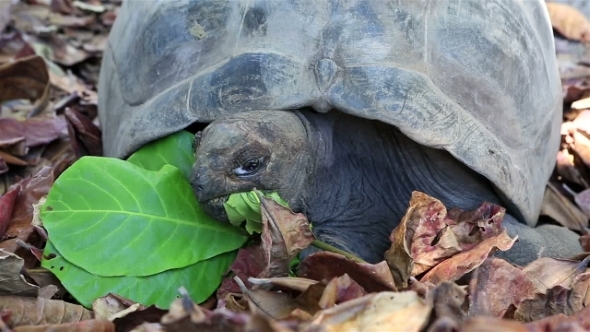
(12, 282)
(490, 324)
(547, 272)
(569, 21)
(25, 78)
(340, 290)
(579, 321)
(385, 311)
(101, 325)
(34, 311)
(32, 189)
(449, 300)
(86, 131)
(464, 262)
(495, 286)
(6, 206)
(327, 265)
(561, 209)
(271, 304)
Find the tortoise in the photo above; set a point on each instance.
(344, 107)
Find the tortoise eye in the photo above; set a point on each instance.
(249, 168)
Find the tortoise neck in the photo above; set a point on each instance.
(364, 174)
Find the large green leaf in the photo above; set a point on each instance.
(113, 218)
(175, 150)
(200, 279)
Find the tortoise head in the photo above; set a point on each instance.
(266, 150)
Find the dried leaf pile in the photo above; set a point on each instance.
(440, 273)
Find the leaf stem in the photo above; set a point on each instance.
(326, 247)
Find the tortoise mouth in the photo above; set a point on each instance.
(214, 208)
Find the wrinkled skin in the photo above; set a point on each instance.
(352, 177)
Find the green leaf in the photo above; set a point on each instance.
(175, 150)
(200, 279)
(245, 206)
(113, 218)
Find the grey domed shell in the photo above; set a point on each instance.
(475, 77)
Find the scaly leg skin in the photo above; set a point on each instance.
(542, 241)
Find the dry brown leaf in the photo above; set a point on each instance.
(547, 272)
(569, 21)
(34, 311)
(327, 265)
(464, 262)
(285, 234)
(12, 282)
(496, 286)
(340, 290)
(580, 321)
(92, 325)
(490, 324)
(292, 283)
(428, 234)
(562, 210)
(271, 304)
(26, 78)
(6, 206)
(385, 311)
(449, 300)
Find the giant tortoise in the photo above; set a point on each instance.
(347, 106)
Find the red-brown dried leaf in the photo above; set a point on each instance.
(580, 321)
(464, 262)
(32, 189)
(449, 300)
(39, 131)
(585, 242)
(85, 131)
(491, 324)
(327, 265)
(6, 206)
(497, 285)
(427, 235)
(284, 234)
(35, 311)
(11, 132)
(25, 78)
(554, 302)
(547, 272)
(340, 290)
(90, 325)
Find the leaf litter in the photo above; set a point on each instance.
(440, 272)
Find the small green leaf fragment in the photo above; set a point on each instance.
(245, 206)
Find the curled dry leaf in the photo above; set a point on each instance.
(561, 209)
(6, 206)
(327, 265)
(569, 21)
(32, 189)
(464, 262)
(580, 321)
(449, 300)
(284, 234)
(12, 282)
(497, 285)
(490, 324)
(271, 304)
(99, 325)
(35, 311)
(385, 311)
(427, 234)
(340, 290)
(26, 78)
(546, 272)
